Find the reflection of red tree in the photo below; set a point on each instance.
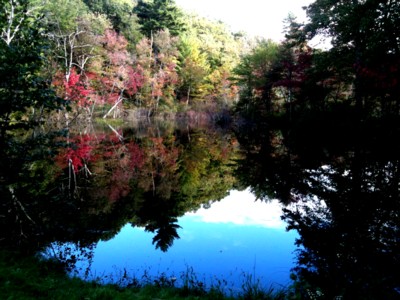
(112, 161)
(77, 154)
(121, 160)
(136, 156)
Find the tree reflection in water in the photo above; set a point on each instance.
(341, 186)
(86, 184)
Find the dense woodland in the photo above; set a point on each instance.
(317, 129)
(115, 55)
(150, 55)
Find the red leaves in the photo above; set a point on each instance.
(73, 87)
(76, 90)
(114, 42)
(77, 154)
(136, 156)
(118, 75)
(295, 70)
(382, 77)
(134, 80)
(89, 149)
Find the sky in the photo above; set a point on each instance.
(256, 17)
(234, 235)
(240, 208)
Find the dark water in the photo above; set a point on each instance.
(155, 199)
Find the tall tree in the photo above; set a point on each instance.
(156, 15)
(364, 35)
(119, 12)
(22, 49)
(252, 74)
(193, 70)
(157, 58)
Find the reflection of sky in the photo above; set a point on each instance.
(240, 208)
(235, 235)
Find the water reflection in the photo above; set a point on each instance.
(340, 181)
(341, 198)
(231, 239)
(98, 180)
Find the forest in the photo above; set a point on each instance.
(109, 58)
(106, 57)
(287, 120)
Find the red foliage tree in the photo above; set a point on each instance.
(74, 88)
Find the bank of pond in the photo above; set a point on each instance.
(29, 277)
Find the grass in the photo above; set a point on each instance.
(109, 121)
(23, 277)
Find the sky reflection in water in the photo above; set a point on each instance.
(234, 236)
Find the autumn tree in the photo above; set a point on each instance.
(222, 51)
(115, 77)
(157, 57)
(193, 70)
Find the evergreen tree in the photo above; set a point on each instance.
(158, 15)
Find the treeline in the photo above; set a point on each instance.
(114, 55)
(358, 71)
(151, 55)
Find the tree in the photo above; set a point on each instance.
(365, 36)
(156, 15)
(290, 73)
(252, 77)
(157, 58)
(117, 79)
(22, 55)
(120, 14)
(193, 70)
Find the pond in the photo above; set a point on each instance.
(232, 240)
(171, 193)
(172, 201)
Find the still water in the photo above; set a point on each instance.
(233, 239)
(161, 200)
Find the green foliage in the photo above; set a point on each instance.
(61, 15)
(252, 76)
(156, 15)
(215, 41)
(193, 70)
(209, 52)
(120, 14)
(24, 94)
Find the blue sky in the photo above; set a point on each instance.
(234, 236)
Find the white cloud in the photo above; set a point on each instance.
(240, 208)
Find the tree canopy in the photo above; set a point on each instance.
(156, 15)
